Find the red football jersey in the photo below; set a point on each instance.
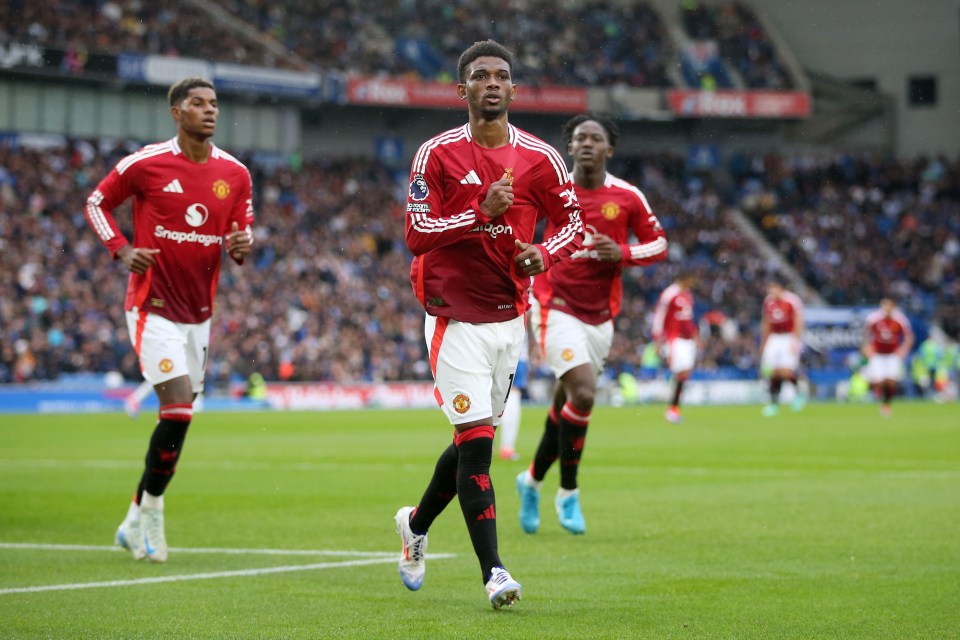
(464, 262)
(586, 287)
(887, 332)
(673, 317)
(783, 312)
(182, 208)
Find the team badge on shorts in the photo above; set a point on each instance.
(567, 355)
(166, 365)
(461, 404)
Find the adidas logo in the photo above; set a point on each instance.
(471, 178)
(490, 513)
(174, 187)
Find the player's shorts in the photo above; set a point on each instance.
(567, 342)
(473, 365)
(884, 366)
(169, 349)
(523, 369)
(782, 351)
(681, 354)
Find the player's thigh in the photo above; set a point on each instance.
(683, 353)
(566, 343)
(160, 345)
(462, 359)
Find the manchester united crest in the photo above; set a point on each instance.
(461, 404)
(221, 189)
(166, 365)
(567, 355)
(610, 210)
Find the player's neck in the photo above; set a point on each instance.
(490, 133)
(194, 149)
(589, 179)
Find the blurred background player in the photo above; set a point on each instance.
(573, 310)
(190, 198)
(781, 328)
(887, 341)
(476, 193)
(676, 331)
(510, 422)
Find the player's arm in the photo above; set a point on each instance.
(866, 347)
(239, 239)
(651, 246)
(429, 226)
(560, 206)
(659, 318)
(798, 321)
(109, 194)
(764, 329)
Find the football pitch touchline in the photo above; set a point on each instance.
(368, 558)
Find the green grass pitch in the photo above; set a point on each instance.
(830, 523)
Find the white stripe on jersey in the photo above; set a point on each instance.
(447, 137)
(148, 151)
(639, 251)
(529, 142)
(425, 224)
(97, 217)
(566, 234)
(614, 181)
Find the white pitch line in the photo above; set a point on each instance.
(210, 550)
(196, 576)
(368, 558)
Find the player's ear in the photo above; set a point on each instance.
(462, 91)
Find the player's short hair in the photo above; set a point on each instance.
(480, 49)
(181, 89)
(608, 124)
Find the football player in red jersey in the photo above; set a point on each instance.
(574, 307)
(887, 341)
(191, 200)
(675, 330)
(476, 193)
(781, 328)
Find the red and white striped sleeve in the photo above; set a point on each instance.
(109, 194)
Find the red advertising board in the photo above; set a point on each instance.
(406, 93)
(739, 104)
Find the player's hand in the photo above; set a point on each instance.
(528, 258)
(137, 259)
(607, 250)
(499, 198)
(239, 242)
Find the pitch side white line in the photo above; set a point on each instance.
(367, 558)
(197, 576)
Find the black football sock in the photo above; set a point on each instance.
(573, 434)
(678, 387)
(776, 382)
(166, 445)
(475, 490)
(549, 448)
(440, 491)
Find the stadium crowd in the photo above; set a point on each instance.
(858, 227)
(590, 43)
(145, 27)
(742, 41)
(328, 295)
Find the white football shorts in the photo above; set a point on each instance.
(884, 366)
(782, 351)
(169, 349)
(681, 354)
(473, 365)
(567, 342)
